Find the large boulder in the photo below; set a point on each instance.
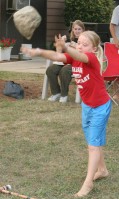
(26, 21)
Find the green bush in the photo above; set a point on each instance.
(98, 11)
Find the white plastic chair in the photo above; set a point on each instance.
(45, 86)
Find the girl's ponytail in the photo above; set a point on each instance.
(100, 56)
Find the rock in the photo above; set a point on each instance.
(26, 21)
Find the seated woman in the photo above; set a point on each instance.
(61, 71)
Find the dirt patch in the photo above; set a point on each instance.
(32, 89)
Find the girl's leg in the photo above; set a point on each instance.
(65, 79)
(93, 162)
(52, 72)
(96, 159)
(102, 170)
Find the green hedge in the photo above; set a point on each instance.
(98, 11)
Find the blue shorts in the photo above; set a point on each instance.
(94, 122)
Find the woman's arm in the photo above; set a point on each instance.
(113, 33)
(48, 54)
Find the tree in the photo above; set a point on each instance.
(96, 11)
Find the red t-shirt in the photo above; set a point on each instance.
(90, 82)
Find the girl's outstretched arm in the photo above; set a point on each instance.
(48, 54)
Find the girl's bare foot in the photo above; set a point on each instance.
(101, 174)
(85, 190)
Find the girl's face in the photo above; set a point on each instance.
(85, 45)
(77, 30)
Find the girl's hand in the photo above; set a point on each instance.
(30, 52)
(64, 37)
(59, 43)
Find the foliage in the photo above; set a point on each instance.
(7, 42)
(98, 11)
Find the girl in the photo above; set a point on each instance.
(59, 71)
(96, 103)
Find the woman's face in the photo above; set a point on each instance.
(77, 30)
(85, 45)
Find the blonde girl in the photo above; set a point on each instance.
(96, 103)
(76, 28)
(60, 75)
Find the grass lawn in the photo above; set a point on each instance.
(43, 153)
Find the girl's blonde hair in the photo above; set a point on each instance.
(95, 39)
(79, 23)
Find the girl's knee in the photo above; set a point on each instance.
(65, 72)
(53, 69)
(48, 71)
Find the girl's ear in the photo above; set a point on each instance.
(94, 49)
